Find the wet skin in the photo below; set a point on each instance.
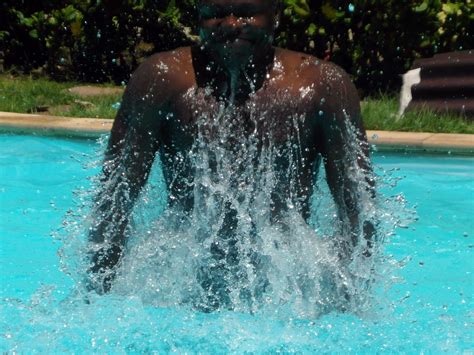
(237, 67)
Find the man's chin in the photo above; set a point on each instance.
(241, 42)
(239, 49)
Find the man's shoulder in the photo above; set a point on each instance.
(170, 64)
(326, 80)
(295, 59)
(309, 67)
(161, 75)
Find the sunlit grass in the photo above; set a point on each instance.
(381, 114)
(24, 94)
(27, 95)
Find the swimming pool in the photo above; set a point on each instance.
(429, 309)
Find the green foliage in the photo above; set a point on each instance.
(91, 40)
(375, 40)
(104, 40)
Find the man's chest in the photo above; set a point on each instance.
(273, 119)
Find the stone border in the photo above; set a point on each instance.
(422, 141)
(91, 127)
(53, 125)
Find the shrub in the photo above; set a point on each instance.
(90, 40)
(374, 40)
(93, 40)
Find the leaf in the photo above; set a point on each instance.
(52, 21)
(331, 13)
(33, 33)
(76, 28)
(441, 16)
(299, 7)
(450, 8)
(171, 6)
(301, 11)
(328, 11)
(422, 7)
(311, 30)
(28, 22)
(425, 43)
(4, 34)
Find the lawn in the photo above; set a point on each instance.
(381, 114)
(27, 95)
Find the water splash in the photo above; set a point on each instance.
(234, 250)
(244, 243)
(139, 316)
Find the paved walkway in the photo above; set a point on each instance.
(19, 122)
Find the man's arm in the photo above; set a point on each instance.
(128, 160)
(346, 157)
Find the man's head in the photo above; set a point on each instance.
(237, 29)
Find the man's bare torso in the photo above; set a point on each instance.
(285, 112)
(240, 127)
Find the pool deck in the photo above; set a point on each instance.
(91, 127)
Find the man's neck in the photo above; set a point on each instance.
(232, 80)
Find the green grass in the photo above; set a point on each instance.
(381, 114)
(27, 95)
(24, 94)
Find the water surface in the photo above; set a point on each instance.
(427, 306)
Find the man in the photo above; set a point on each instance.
(295, 107)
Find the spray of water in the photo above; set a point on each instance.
(230, 254)
(246, 245)
(233, 250)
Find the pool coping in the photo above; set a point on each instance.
(11, 122)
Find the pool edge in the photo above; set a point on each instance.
(92, 127)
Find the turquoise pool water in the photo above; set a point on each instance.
(428, 307)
